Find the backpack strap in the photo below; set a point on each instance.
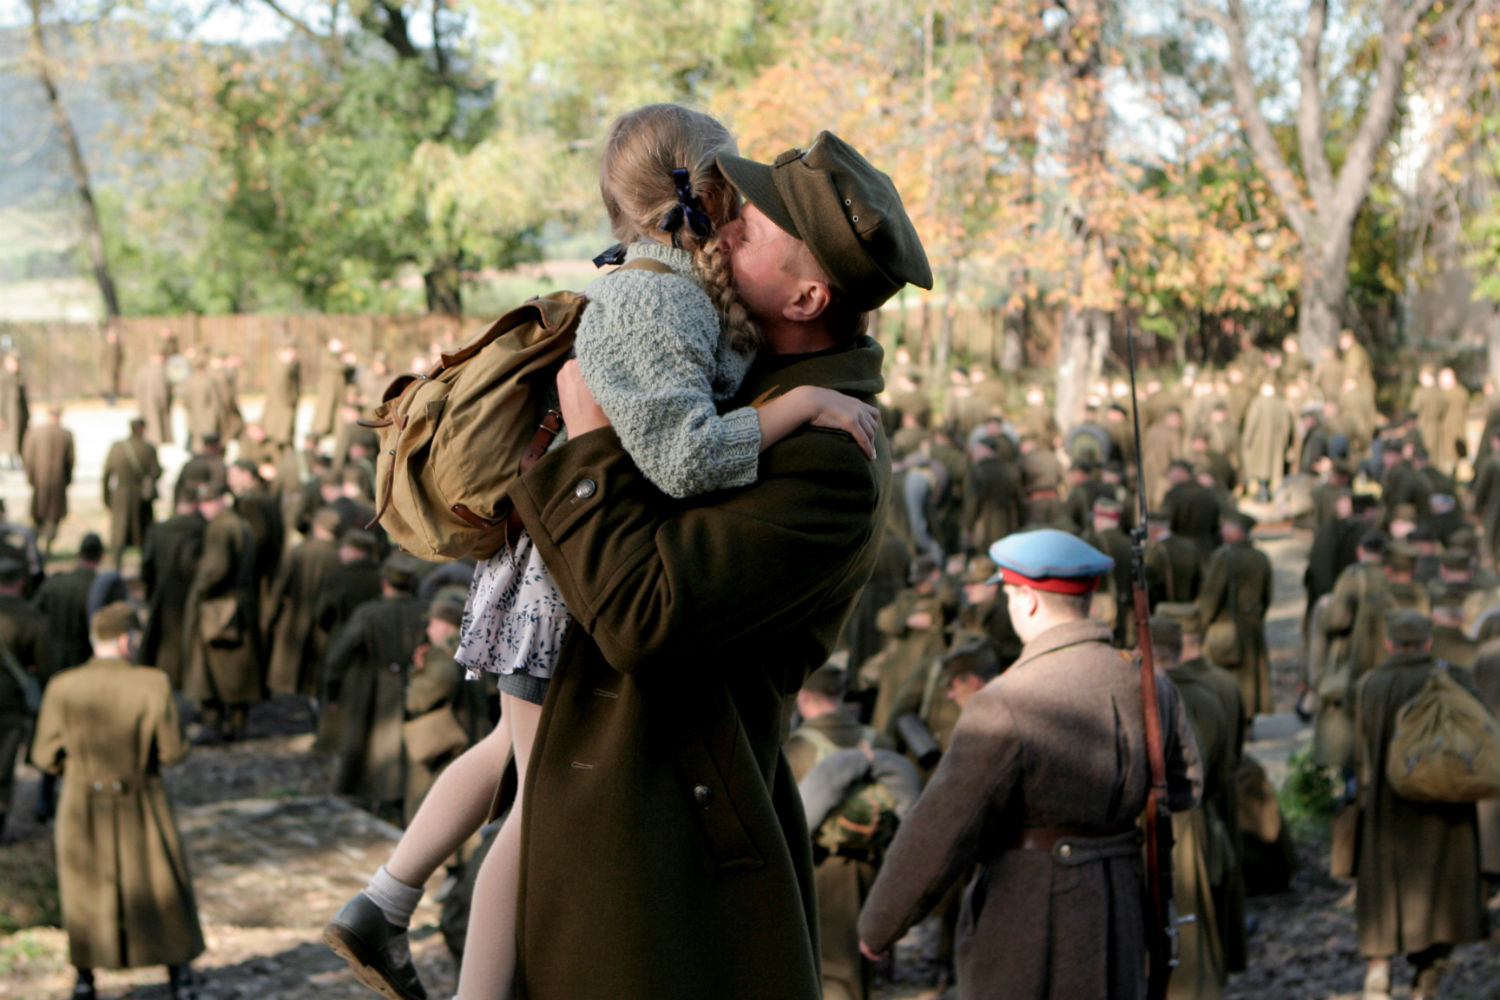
(819, 739)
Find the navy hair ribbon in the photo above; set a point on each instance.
(688, 208)
(614, 255)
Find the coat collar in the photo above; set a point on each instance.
(1060, 636)
(853, 369)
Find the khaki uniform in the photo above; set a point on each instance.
(906, 651)
(1455, 431)
(200, 397)
(291, 627)
(1418, 867)
(841, 883)
(1207, 879)
(279, 419)
(332, 377)
(1035, 923)
(169, 563)
(63, 601)
(130, 474)
(24, 634)
(1487, 682)
(153, 398)
(992, 502)
(1237, 590)
(1268, 434)
(366, 666)
(862, 636)
(127, 896)
(47, 453)
(434, 693)
(221, 671)
(15, 413)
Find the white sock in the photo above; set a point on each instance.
(396, 899)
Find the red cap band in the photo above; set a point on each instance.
(1056, 584)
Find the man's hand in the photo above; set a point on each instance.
(580, 413)
(864, 950)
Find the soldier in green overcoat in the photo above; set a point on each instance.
(1236, 595)
(109, 727)
(1419, 889)
(366, 667)
(221, 629)
(131, 470)
(291, 609)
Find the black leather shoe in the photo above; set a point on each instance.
(84, 991)
(359, 934)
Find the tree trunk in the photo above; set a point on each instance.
(92, 232)
(1321, 311)
(1072, 367)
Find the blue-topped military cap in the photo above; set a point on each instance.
(1048, 559)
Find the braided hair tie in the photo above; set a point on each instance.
(688, 208)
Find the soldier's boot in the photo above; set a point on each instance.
(1378, 979)
(83, 989)
(180, 980)
(361, 935)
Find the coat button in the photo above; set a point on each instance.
(1065, 850)
(585, 489)
(98, 786)
(704, 795)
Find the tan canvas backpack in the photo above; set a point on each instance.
(1444, 747)
(453, 440)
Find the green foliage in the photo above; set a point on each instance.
(1309, 796)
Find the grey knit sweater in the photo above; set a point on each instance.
(651, 351)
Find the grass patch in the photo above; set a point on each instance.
(29, 874)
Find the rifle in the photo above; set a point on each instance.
(1161, 926)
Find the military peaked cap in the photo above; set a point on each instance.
(1048, 559)
(848, 213)
(1407, 627)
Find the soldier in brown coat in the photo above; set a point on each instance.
(169, 563)
(366, 665)
(221, 633)
(47, 453)
(109, 727)
(841, 883)
(282, 392)
(23, 636)
(1452, 442)
(201, 398)
(440, 721)
(291, 625)
(131, 470)
(1056, 909)
(14, 411)
(1232, 609)
(1418, 889)
(1264, 444)
(333, 376)
(635, 733)
(153, 398)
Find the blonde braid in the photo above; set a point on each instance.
(712, 265)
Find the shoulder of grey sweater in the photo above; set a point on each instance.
(642, 298)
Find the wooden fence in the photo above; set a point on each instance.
(71, 359)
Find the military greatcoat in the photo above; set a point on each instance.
(1418, 862)
(224, 672)
(153, 398)
(47, 453)
(1237, 590)
(366, 666)
(279, 419)
(130, 474)
(697, 621)
(169, 562)
(127, 898)
(841, 882)
(1039, 924)
(296, 643)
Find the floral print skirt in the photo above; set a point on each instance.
(515, 616)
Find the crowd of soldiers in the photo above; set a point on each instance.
(235, 611)
(1271, 438)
